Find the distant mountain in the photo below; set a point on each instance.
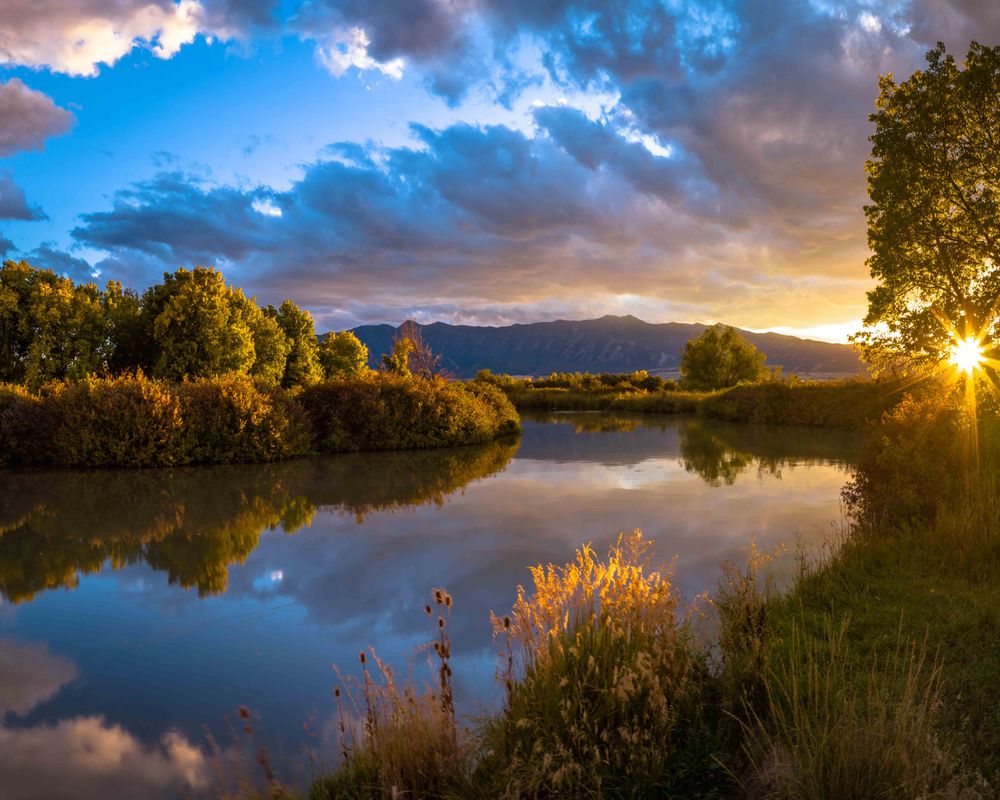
(608, 344)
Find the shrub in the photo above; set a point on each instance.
(25, 432)
(391, 412)
(912, 461)
(126, 421)
(232, 420)
(828, 404)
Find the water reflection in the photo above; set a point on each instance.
(129, 660)
(193, 523)
(82, 757)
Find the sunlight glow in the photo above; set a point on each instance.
(967, 355)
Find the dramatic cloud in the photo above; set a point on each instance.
(28, 118)
(13, 204)
(721, 177)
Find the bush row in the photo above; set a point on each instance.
(825, 404)
(137, 421)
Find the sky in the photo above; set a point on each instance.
(469, 161)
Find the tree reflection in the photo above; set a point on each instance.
(720, 453)
(193, 523)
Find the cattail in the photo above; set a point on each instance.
(362, 656)
(336, 692)
(506, 623)
(247, 729)
(244, 712)
(428, 610)
(447, 600)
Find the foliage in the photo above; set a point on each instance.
(853, 403)
(398, 361)
(49, 328)
(137, 421)
(913, 460)
(343, 354)
(933, 221)
(302, 366)
(604, 684)
(717, 360)
(382, 411)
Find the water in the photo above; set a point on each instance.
(139, 607)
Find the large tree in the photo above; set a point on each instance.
(934, 216)
(198, 326)
(720, 358)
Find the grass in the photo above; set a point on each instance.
(848, 404)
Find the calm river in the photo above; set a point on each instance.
(140, 609)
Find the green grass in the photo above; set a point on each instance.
(848, 404)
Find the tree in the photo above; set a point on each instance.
(302, 366)
(398, 361)
(342, 354)
(422, 360)
(200, 327)
(718, 360)
(49, 328)
(934, 216)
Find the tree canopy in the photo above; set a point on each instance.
(720, 359)
(191, 325)
(342, 354)
(934, 216)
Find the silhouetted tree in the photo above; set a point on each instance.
(934, 217)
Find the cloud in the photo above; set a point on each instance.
(46, 256)
(6, 245)
(27, 117)
(30, 675)
(78, 36)
(724, 180)
(13, 204)
(86, 757)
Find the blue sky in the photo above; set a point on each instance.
(483, 161)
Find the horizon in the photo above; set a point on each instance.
(466, 162)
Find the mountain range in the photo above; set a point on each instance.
(608, 344)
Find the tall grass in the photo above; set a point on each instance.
(836, 729)
(395, 740)
(606, 698)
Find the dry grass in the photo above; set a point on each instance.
(604, 683)
(395, 740)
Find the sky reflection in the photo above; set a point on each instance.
(141, 606)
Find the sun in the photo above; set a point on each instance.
(967, 354)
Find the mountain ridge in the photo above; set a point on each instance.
(605, 344)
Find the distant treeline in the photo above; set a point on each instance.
(775, 400)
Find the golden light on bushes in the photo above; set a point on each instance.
(967, 355)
